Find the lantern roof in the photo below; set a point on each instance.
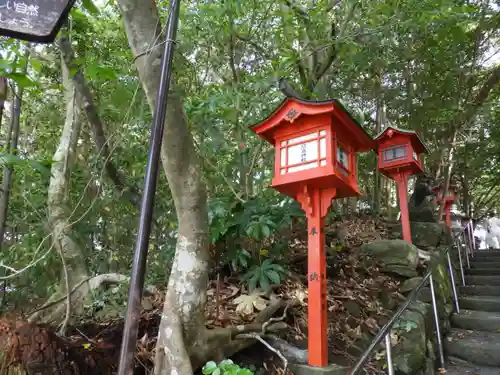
(415, 139)
(291, 108)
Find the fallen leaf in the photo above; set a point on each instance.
(246, 303)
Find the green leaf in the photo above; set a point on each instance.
(277, 268)
(21, 79)
(273, 276)
(250, 231)
(35, 64)
(267, 263)
(252, 284)
(90, 6)
(209, 368)
(39, 167)
(266, 232)
(264, 282)
(5, 65)
(97, 72)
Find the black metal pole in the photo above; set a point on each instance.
(127, 353)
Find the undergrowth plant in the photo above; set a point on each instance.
(225, 367)
(247, 233)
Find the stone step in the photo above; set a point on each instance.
(484, 264)
(478, 320)
(482, 280)
(480, 348)
(301, 369)
(469, 369)
(482, 271)
(479, 290)
(483, 255)
(480, 303)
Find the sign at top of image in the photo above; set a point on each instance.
(33, 20)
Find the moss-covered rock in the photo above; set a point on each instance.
(408, 285)
(397, 256)
(425, 236)
(410, 354)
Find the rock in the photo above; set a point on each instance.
(410, 355)
(425, 236)
(425, 212)
(410, 284)
(397, 256)
(428, 236)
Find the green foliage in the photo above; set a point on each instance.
(264, 275)
(225, 367)
(239, 258)
(422, 60)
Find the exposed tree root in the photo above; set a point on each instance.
(94, 283)
(38, 350)
(34, 348)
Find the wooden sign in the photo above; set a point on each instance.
(33, 20)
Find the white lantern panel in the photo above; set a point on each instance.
(303, 152)
(342, 157)
(303, 138)
(302, 167)
(322, 133)
(415, 155)
(322, 148)
(323, 163)
(395, 153)
(283, 157)
(283, 171)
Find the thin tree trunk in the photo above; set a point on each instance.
(4, 90)
(74, 268)
(96, 125)
(11, 143)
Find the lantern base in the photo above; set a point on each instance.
(343, 187)
(409, 168)
(301, 369)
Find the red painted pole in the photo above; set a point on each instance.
(402, 183)
(317, 309)
(447, 209)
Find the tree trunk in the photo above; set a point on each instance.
(183, 321)
(380, 124)
(183, 341)
(72, 257)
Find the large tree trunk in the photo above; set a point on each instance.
(183, 342)
(72, 257)
(183, 318)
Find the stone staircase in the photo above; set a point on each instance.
(473, 345)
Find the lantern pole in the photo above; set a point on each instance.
(316, 202)
(130, 330)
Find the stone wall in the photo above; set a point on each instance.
(414, 338)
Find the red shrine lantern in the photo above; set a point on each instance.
(449, 199)
(399, 156)
(315, 161)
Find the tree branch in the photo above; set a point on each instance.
(96, 125)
